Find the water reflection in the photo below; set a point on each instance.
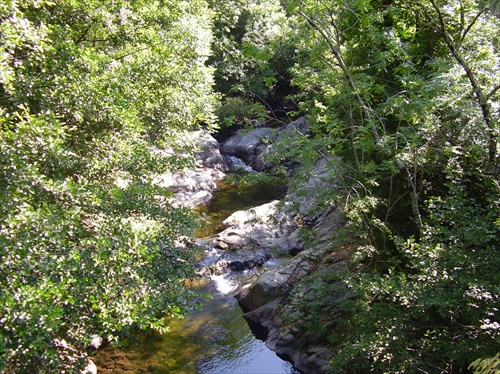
(214, 340)
(228, 199)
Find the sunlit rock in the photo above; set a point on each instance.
(254, 145)
(96, 341)
(195, 186)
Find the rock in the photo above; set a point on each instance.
(228, 261)
(318, 359)
(299, 127)
(96, 342)
(195, 186)
(254, 145)
(259, 163)
(193, 198)
(91, 368)
(208, 152)
(244, 146)
(263, 228)
(263, 315)
(272, 284)
(264, 290)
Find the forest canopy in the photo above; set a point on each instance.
(405, 93)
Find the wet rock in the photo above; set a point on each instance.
(248, 264)
(227, 261)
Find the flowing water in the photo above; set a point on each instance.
(215, 339)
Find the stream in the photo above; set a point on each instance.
(215, 339)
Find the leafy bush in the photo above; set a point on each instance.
(89, 245)
(237, 111)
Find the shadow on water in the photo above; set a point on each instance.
(215, 339)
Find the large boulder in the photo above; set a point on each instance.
(253, 146)
(194, 187)
(245, 146)
(272, 284)
(208, 153)
(265, 227)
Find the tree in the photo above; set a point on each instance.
(252, 53)
(89, 245)
(404, 92)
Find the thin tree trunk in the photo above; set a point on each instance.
(335, 50)
(481, 97)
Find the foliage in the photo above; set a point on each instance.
(407, 94)
(490, 365)
(236, 111)
(89, 245)
(312, 301)
(252, 53)
(404, 94)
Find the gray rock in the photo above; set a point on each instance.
(191, 188)
(273, 284)
(267, 288)
(253, 146)
(208, 153)
(245, 146)
(259, 163)
(318, 359)
(96, 341)
(194, 187)
(263, 315)
(298, 127)
(222, 261)
(264, 227)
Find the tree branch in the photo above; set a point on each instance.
(471, 24)
(481, 98)
(334, 48)
(492, 92)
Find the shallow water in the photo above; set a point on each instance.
(228, 199)
(215, 339)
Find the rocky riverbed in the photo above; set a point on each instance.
(277, 230)
(280, 244)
